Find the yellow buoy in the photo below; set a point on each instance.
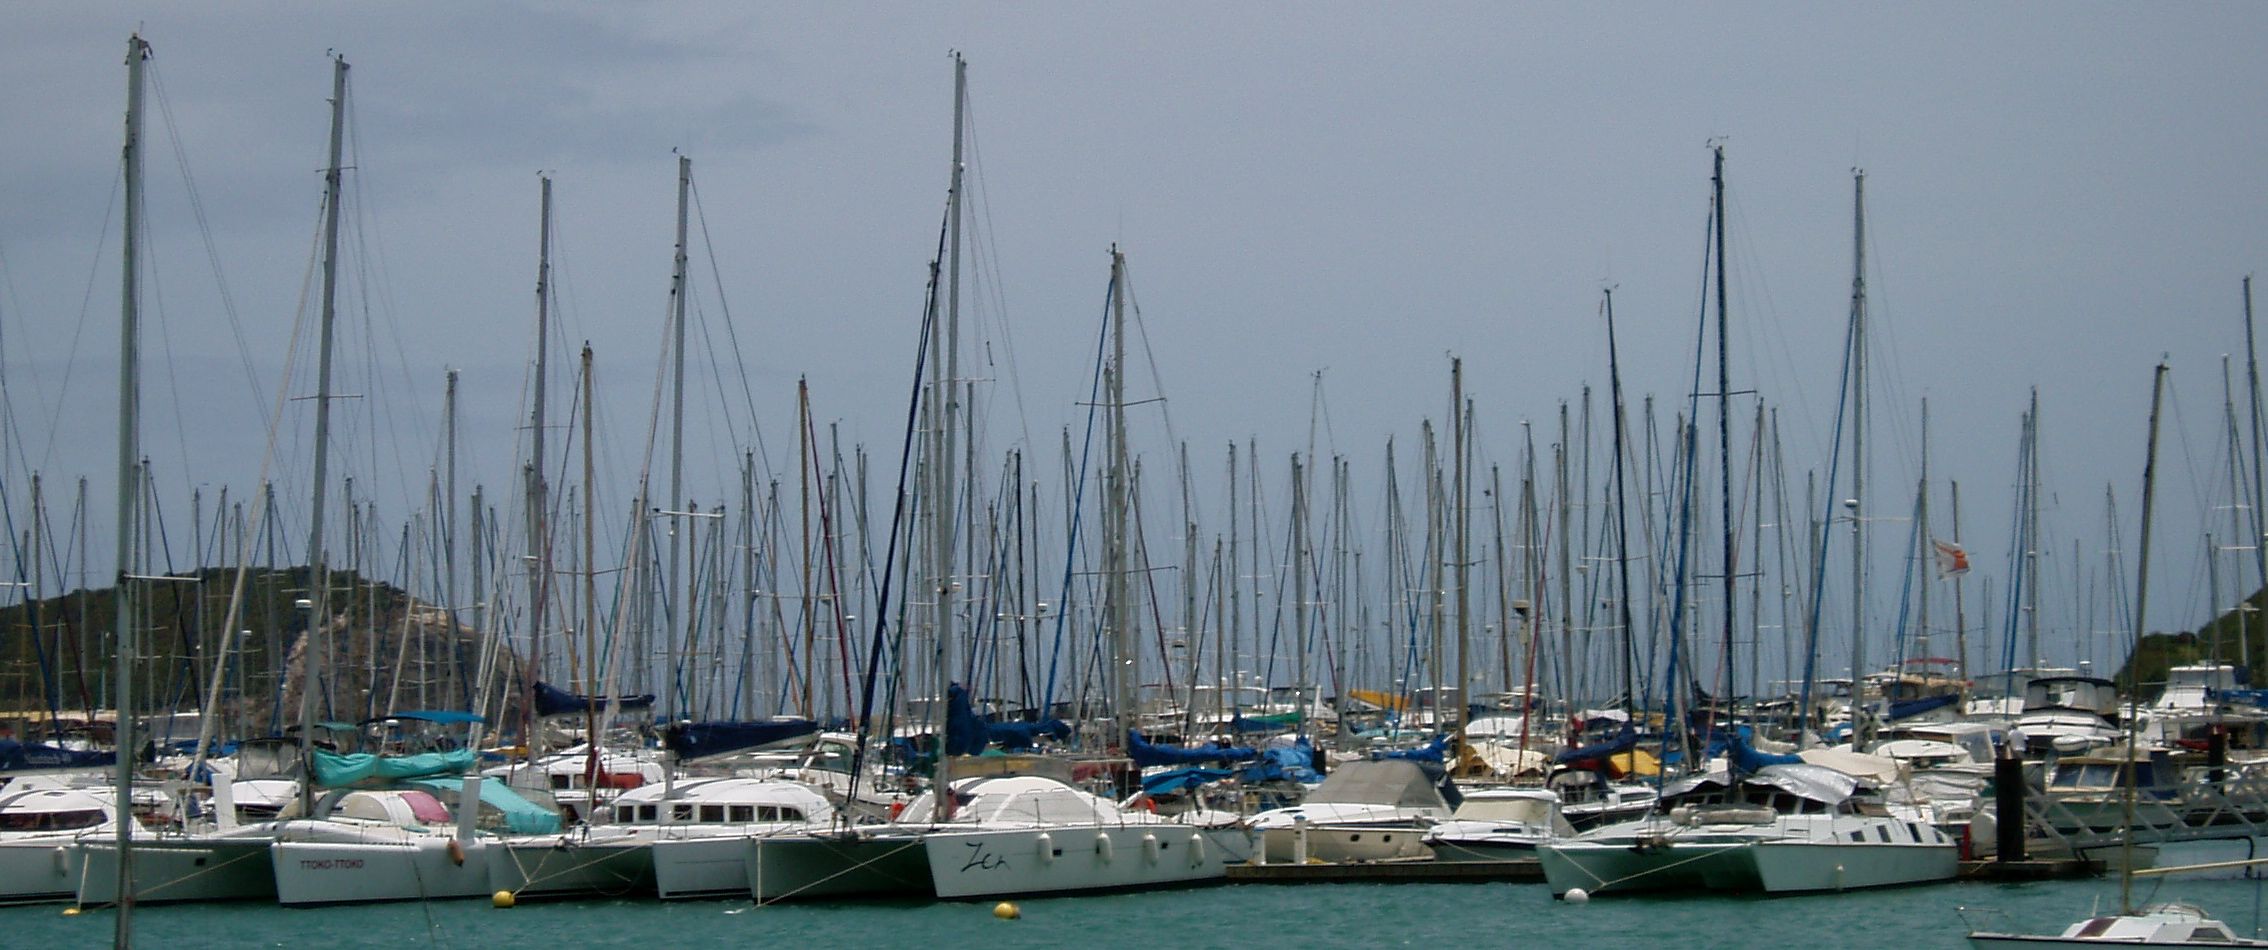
(1007, 911)
(70, 912)
(504, 899)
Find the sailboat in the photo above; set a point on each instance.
(2157, 925)
(1770, 824)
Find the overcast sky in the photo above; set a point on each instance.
(2057, 194)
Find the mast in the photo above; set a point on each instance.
(2134, 674)
(1125, 677)
(1860, 723)
(1459, 439)
(944, 357)
(1960, 590)
(2032, 531)
(1621, 518)
(318, 579)
(129, 483)
(1922, 537)
(449, 530)
(673, 605)
(2259, 538)
(1724, 411)
(539, 502)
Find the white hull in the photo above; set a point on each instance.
(807, 867)
(1791, 855)
(39, 869)
(573, 865)
(178, 869)
(1795, 867)
(689, 868)
(1347, 844)
(1059, 859)
(323, 872)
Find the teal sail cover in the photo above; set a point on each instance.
(521, 817)
(333, 770)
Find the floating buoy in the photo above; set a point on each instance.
(504, 899)
(1576, 895)
(1007, 911)
(70, 912)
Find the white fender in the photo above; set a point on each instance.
(1103, 846)
(62, 861)
(1151, 848)
(1197, 850)
(1046, 848)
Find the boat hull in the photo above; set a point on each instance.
(1346, 844)
(324, 872)
(807, 867)
(970, 865)
(570, 866)
(180, 870)
(34, 871)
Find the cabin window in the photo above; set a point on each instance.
(648, 813)
(50, 820)
(1882, 834)
(712, 813)
(743, 813)
(681, 812)
(562, 782)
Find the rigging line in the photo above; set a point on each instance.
(732, 332)
(369, 237)
(158, 296)
(1078, 498)
(1157, 379)
(78, 330)
(196, 199)
(985, 248)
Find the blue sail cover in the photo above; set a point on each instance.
(552, 701)
(18, 756)
(1914, 707)
(333, 770)
(1733, 744)
(967, 733)
(520, 815)
(1620, 743)
(1435, 752)
(1177, 781)
(1292, 763)
(1148, 754)
(699, 740)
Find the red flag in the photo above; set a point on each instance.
(1952, 559)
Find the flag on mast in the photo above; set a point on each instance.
(1952, 559)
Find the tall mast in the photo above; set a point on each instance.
(2032, 530)
(1459, 437)
(1621, 518)
(318, 578)
(1922, 537)
(1857, 503)
(1724, 406)
(129, 482)
(538, 490)
(2134, 673)
(1125, 677)
(943, 407)
(449, 532)
(2259, 539)
(674, 605)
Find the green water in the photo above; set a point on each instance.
(1244, 916)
